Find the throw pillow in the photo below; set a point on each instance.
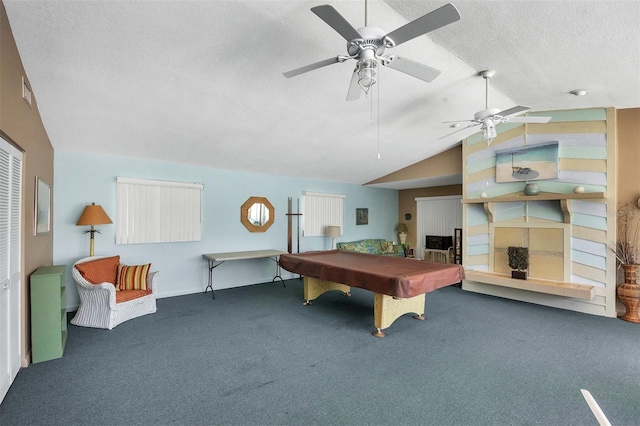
(100, 271)
(133, 277)
(348, 247)
(388, 247)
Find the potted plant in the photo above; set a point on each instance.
(627, 255)
(408, 251)
(518, 262)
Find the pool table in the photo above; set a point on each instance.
(399, 284)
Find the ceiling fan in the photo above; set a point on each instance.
(367, 46)
(490, 117)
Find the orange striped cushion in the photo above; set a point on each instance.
(100, 270)
(133, 277)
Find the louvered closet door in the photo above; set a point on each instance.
(10, 214)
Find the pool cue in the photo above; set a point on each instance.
(298, 224)
(289, 230)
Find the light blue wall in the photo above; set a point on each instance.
(80, 179)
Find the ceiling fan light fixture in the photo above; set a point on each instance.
(488, 132)
(367, 74)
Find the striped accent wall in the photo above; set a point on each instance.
(586, 150)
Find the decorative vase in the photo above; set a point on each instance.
(629, 293)
(531, 189)
(519, 275)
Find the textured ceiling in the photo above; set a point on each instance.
(201, 81)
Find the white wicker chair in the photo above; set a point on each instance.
(98, 307)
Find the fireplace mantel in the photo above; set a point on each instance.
(564, 199)
(543, 196)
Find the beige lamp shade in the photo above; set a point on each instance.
(93, 215)
(402, 227)
(333, 231)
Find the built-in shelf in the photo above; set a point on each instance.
(564, 199)
(543, 196)
(557, 288)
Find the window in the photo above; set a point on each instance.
(320, 211)
(152, 211)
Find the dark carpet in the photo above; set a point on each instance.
(256, 356)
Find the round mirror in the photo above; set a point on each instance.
(257, 214)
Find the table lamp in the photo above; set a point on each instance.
(93, 215)
(333, 232)
(402, 232)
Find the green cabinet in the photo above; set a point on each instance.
(48, 313)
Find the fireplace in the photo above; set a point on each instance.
(546, 249)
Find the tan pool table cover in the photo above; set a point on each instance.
(393, 276)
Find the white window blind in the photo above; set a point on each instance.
(153, 211)
(320, 211)
(437, 216)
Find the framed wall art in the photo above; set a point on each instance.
(362, 216)
(533, 162)
(42, 207)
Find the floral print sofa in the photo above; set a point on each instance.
(373, 246)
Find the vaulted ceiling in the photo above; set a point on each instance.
(201, 81)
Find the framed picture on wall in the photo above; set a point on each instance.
(362, 216)
(532, 162)
(42, 207)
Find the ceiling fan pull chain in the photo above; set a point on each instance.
(370, 105)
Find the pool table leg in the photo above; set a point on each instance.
(314, 287)
(379, 333)
(387, 309)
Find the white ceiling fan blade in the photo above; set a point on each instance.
(445, 15)
(336, 21)
(460, 121)
(512, 111)
(354, 88)
(459, 130)
(595, 408)
(414, 69)
(529, 119)
(313, 66)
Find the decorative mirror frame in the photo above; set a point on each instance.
(244, 214)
